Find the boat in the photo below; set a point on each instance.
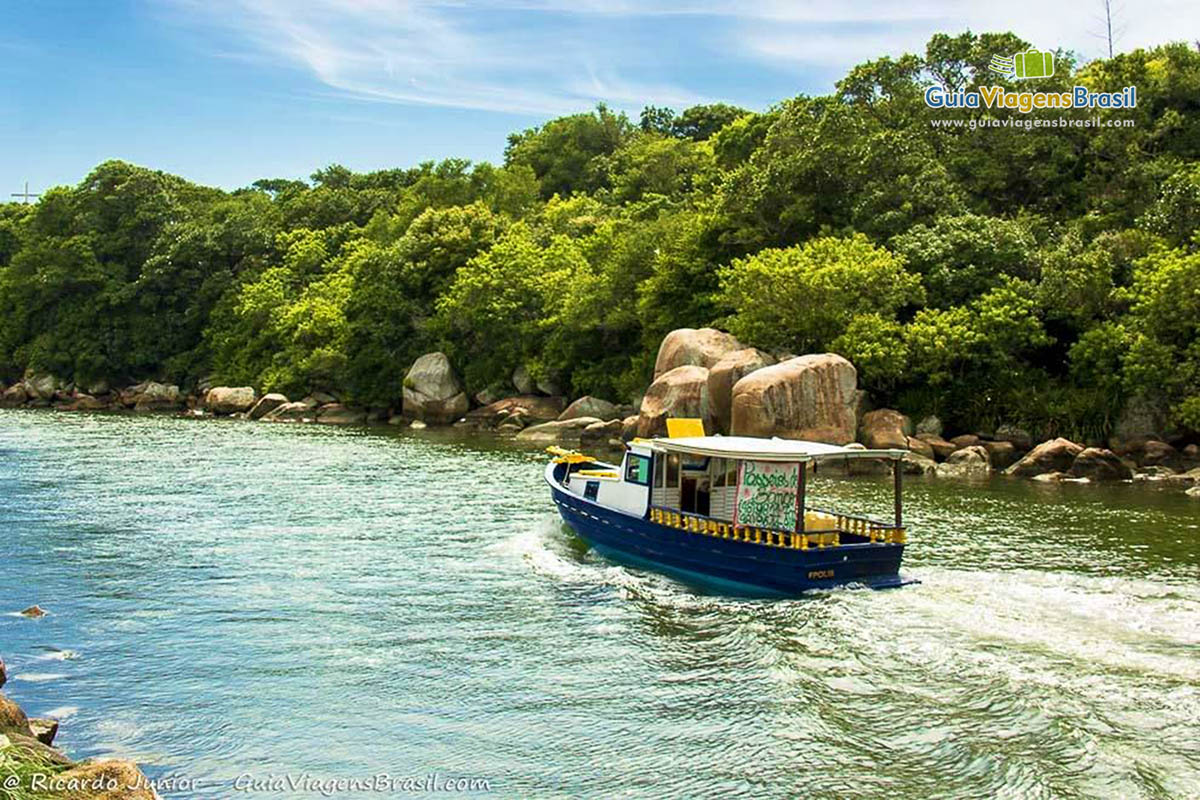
(728, 513)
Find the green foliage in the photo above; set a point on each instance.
(802, 298)
(1040, 276)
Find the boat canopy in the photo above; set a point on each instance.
(754, 448)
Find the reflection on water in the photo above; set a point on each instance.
(230, 597)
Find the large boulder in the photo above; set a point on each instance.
(1099, 464)
(917, 464)
(1020, 439)
(266, 404)
(527, 409)
(44, 729)
(290, 412)
(725, 374)
(920, 447)
(229, 399)
(1153, 453)
(941, 448)
(1002, 454)
(565, 430)
(85, 402)
(1142, 418)
(14, 396)
(931, 424)
(13, 719)
(885, 429)
(681, 392)
(338, 414)
(693, 347)
(523, 381)
(588, 406)
(1055, 455)
(154, 396)
(808, 397)
(432, 392)
(42, 386)
(967, 463)
(127, 782)
(601, 433)
(965, 440)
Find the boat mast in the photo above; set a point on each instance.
(897, 490)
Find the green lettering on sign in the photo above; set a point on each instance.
(766, 495)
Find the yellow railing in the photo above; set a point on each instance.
(821, 529)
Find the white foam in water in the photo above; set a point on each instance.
(61, 712)
(38, 677)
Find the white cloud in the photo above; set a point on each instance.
(558, 56)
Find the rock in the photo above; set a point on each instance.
(969, 463)
(13, 719)
(128, 782)
(44, 730)
(965, 440)
(941, 448)
(1155, 473)
(29, 748)
(318, 399)
(229, 399)
(600, 433)
(1055, 455)
(523, 381)
(629, 427)
(432, 392)
(556, 430)
(1019, 438)
(42, 386)
(548, 387)
(533, 408)
(1189, 478)
(97, 387)
(885, 429)
(809, 397)
(917, 464)
(1050, 477)
(681, 392)
(417, 425)
(489, 395)
(1001, 453)
(920, 447)
(725, 374)
(1155, 453)
(14, 396)
(931, 425)
(34, 612)
(1192, 452)
(154, 396)
(1142, 418)
(338, 414)
(1099, 464)
(266, 404)
(290, 412)
(1193, 492)
(588, 406)
(3, 673)
(693, 347)
(85, 402)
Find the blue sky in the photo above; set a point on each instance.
(227, 91)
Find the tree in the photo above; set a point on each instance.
(802, 298)
(562, 152)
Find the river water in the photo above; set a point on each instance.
(234, 602)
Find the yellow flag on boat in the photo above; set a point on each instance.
(684, 427)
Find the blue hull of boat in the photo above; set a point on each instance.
(725, 565)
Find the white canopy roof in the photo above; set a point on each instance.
(753, 448)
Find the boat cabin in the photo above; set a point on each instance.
(744, 488)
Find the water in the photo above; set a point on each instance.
(231, 599)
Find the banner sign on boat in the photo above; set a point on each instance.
(766, 495)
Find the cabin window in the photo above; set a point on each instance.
(731, 470)
(718, 472)
(672, 470)
(637, 469)
(660, 471)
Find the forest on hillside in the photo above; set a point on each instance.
(1046, 277)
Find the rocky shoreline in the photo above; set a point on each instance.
(31, 767)
(701, 373)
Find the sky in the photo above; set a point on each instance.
(225, 92)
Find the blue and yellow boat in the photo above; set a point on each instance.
(728, 513)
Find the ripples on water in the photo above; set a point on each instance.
(233, 598)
